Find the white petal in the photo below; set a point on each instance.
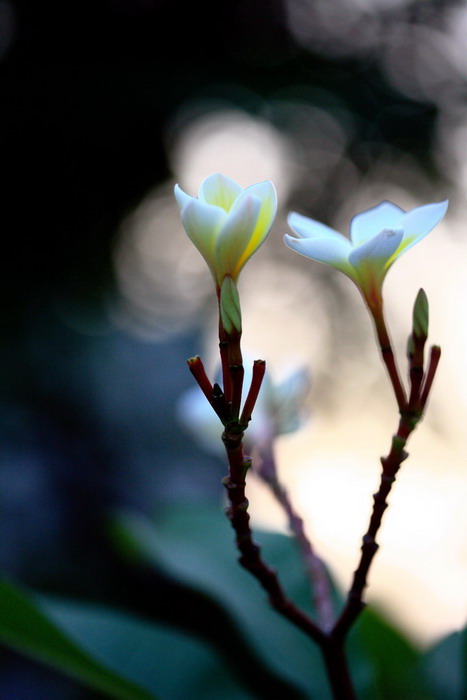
(418, 222)
(266, 193)
(332, 251)
(219, 190)
(309, 228)
(202, 223)
(235, 236)
(182, 197)
(370, 222)
(377, 251)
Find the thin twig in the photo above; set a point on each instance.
(430, 374)
(416, 372)
(259, 368)
(320, 584)
(236, 373)
(389, 360)
(226, 378)
(391, 464)
(250, 553)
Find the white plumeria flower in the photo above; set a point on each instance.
(227, 223)
(378, 237)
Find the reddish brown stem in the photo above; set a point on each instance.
(250, 553)
(317, 572)
(236, 372)
(226, 378)
(416, 372)
(410, 414)
(337, 669)
(391, 464)
(259, 368)
(329, 637)
(232, 368)
(196, 367)
(435, 356)
(389, 360)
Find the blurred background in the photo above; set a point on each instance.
(105, 106)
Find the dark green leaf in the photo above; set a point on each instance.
(26, 628)
(395, 662)
(445, 665)
(196, 545)
(166, 662)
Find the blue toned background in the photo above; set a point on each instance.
(105, 106)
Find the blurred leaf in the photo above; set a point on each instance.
(25, 627)
(395, 661)
(117, 654)
(166, 662)
(445, 666)
(196, 545)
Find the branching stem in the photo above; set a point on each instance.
(328, 634)
(250, 553)
(355, 603)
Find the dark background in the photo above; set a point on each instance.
(87, 411)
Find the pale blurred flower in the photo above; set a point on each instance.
(280, 409)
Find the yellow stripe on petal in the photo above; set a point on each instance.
(235, 237)
(406, 242)
(266, 193)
